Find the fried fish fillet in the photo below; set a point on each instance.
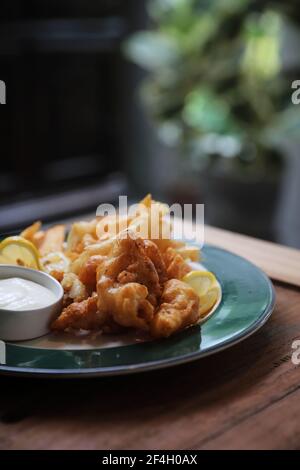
(88, 272)
(177, 267)
(179, 308)
(74, 289)
(128, 287)
(126, 305)
(133, 291)
(133, 259)
(80, 315)
(129, 284)
(152, 251)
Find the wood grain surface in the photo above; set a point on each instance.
(247, 397)
(279, 262)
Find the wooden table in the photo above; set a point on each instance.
(245, 397)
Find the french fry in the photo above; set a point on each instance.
(78, 262)
(146, 201)
(111, 225)
(53, 240)
(102, 248)
(38, 238)
(77, 232)
(30, 231)
(189, 252)
(34, 234)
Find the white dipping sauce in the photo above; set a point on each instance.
(21, 294)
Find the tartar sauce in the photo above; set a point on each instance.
(21, 294)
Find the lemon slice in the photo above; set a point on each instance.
(207, 287)
(200, 281)
(19, 251)
(209, 300)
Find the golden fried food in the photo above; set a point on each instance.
(53, 240)
(128, 287)
(87, 240)
(88, 272)
(80, 260)
(30, 231)
(58, 275)
(134, 257)
(111, 225)
(55, 261)
(77, 235)
(152, 251)
(75, 290)
(128, 284)
(179, 308)
(121, 271)
(126, 304)
(177, 268)
(34, 234)
(80, 315)
(102, 248)
(189, 252)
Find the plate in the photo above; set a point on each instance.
(247, 302)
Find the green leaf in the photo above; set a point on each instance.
(205, 111)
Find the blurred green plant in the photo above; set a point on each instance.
(215, 84)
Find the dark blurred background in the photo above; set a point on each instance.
(188, 99)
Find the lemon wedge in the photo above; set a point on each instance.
(200, 281)
(209, 300)
(206, 286)
(19, 251)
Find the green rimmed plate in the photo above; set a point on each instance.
(247, 302)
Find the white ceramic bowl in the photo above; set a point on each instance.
(17, 325)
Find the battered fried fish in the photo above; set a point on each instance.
(80, 315)
(177, 267)
(129, 285)
(88, 272)
(75, 290)
(133, 259)
(126, 304)
(134, 290)
(179, 308)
